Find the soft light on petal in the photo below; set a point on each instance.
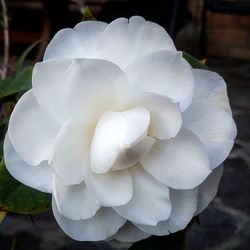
(103, 225)
(79, 42)
(208, 189)
(164, 73)
(110, 189)
(39, 177)
(93, 87)
(165, 115)
(211, 88)
(47, 81)
(125, 40)
(180, 163)
(32, 131)
(70, 152)
(214, 127)
(74, 202)
(150, 202)
(114, 134)
(184, 204)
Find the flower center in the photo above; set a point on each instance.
(120, 140)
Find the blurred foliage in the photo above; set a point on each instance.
(13, 85)
(87, 15)
(22, 58)
(21, 79)
(195, 63)
(18, 198)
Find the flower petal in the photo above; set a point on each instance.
(32, 131)
(214, 127)
(184, 204)
(208, 189)
(180, 163)
(134, 154)
(164, 73)
(130, 233)
(165, 116)
(114, 134)
(70, 152)
(39, 177)
(74, 202)
(110, 189)
(103, 225)
(79, 42)
(150, 202)
(211, 88)
(92, 87)
(124, 40)
(47, 82)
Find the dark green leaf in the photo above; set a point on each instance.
(87, 15)
(22, 58)
(21, 82)
(18, 198)
(195, 63)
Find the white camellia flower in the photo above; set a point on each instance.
(127, 137)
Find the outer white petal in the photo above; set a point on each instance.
(47, 81)
(39, 177)
(210, 87)
(130, 233)
(165, 115)
(70, 152)
(74, 202)
(150, 202)
(115, 133)
(32, 131)
(180, 163)
(110, 189)
(164, 73)
(183, 208)
(103, 225)
(208, 189)
(79, 42)
(214, 127)
(93, 87)
(124, 40)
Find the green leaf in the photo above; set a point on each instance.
(21, 82)
(87, 15)
(18, 198)
(22, 58)
(195, 63)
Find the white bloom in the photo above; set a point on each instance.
(126, 136)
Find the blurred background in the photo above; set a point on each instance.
(217, 30)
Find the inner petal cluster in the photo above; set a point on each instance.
(120, 140)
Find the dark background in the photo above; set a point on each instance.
(218, 31)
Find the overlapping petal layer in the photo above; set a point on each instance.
(105, 223)
(32, 129)
(39, 177)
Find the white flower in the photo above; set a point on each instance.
(126, 136)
